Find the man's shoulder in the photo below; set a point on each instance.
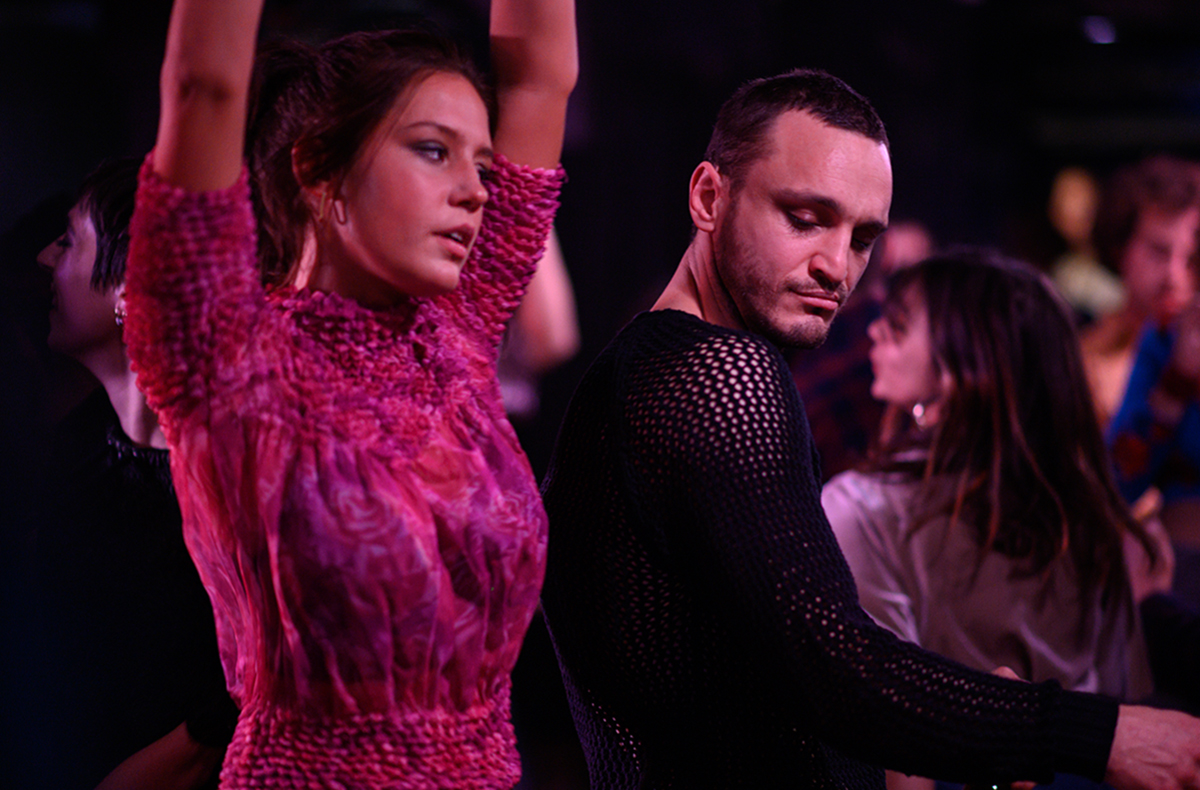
(669, 361)
(674, 332)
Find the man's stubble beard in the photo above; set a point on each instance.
(730, 259)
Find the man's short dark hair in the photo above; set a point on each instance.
(1161, 182)
(740, 134)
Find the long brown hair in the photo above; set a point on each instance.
(325, 103)
(1017, 455)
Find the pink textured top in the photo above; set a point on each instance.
(359, 509)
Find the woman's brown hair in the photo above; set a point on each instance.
(1017, 455)
(313, 108)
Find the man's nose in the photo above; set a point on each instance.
(830, 265)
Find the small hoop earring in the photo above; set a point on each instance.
(119, 313)
(339, 211)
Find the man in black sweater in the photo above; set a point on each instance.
(706, 623)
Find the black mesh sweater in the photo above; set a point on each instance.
(706, 623)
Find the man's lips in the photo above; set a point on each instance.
(821, 299)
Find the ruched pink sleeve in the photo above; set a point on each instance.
(511, 241)
(192, 289)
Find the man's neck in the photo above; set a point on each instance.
(696, 287)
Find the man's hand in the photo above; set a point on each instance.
(1154, 750)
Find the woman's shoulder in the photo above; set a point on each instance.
(883, 499)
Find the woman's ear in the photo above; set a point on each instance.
(299, 171)
(119, 306)
(945, 382)
(317, 196)
(707, 196)
(937, 406)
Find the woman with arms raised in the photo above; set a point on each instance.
(358, 507)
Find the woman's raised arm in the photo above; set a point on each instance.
(204, 86)
(535, 58)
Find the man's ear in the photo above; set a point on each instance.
(707, 196)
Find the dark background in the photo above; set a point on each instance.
(984, 101)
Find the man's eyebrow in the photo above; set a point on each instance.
(874, 228)
(786, 195)
(798, 196)
(450, 132)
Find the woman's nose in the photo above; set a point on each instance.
(472, 193)
(48, 257)
(875, 330)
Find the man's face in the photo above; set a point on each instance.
(794, 239)
(1158, 264)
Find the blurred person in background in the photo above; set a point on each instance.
(987, 527)
(1146, 229)
(1089, 287)
(1155, 436)
(124, 655)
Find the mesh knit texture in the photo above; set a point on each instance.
(706, 623)
(358, 507)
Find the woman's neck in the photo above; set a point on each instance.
(110, 364)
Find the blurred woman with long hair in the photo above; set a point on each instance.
(988, 527)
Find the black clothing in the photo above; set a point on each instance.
(122, 647)
(706, 623)
(1173, 640)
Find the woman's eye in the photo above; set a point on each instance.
(434, 152)
(896, 321)
(63, 242)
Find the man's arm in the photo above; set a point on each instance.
(741, 459)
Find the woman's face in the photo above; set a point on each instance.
(412, 203)
(81, 317)
(902, 359)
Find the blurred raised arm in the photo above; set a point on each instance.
(204, 86)
(536, 62)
